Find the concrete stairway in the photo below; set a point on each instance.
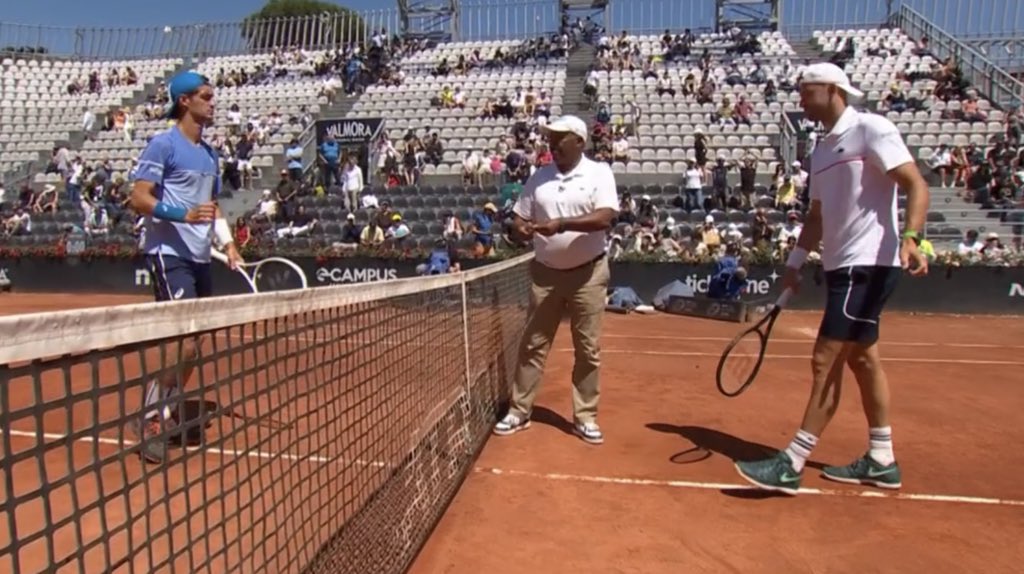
(574, 102)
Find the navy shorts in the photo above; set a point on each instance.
(175, 278)
(856, 297)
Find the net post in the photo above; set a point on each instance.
(465, 333)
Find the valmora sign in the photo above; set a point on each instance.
(348, 130)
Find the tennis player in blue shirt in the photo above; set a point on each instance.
(176, 183)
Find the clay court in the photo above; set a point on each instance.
(661, 495)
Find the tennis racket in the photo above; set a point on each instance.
(271, 274)
(742, 358)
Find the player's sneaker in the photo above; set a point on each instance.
(511, 424)
(775, 473)
(154, 434)
(865, 470)
(589, 432)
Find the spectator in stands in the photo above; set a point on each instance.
(720, 183)
(77, 174)
(19, 223)
(472, 165)
(293, 156)
(330, 156)
(243, 154)
(700, 147)
(709, 235)
(372, 235)
(800, 175)
(301, 223)
(350, 234)
(647, 215)
(398, 231)
(482, 228)
(242, 233)
(743, 111)
(971, 111)
(970, 247)
(960, 166)
(267, 208)
(98, 223)
(434, 150)
(941, 162)
(443, 259)
(786, 196)
(664, 85)
(452, 226)
(693, 183)
(411, 166)
(620, 148)
(993, 249)
(895, 100)
(771, 92)
(352, 182)
(45, 201)
(748, 177)
(761, 230)
(446, 98)
(234, 120)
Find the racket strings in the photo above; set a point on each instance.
(741, 362)
(276, 276)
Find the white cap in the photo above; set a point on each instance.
(709, 218)
(826, 73)
(569, 124)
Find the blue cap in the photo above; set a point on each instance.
(183, 83)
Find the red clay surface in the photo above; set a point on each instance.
(556, 504)
(661, 494)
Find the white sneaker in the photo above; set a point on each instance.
(589, 432)
(511, 424)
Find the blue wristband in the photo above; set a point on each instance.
(170, 212)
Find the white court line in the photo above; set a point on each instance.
(730, 486)
(883, 343)
(801, 357)
(564, 477)
(58, 437)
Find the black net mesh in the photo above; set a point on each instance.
(319, 431)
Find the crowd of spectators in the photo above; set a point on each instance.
(990, 176)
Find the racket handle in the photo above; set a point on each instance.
(784, 298)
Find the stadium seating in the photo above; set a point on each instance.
(664, 139)
(37, 108)
(36, 111)
(408, 107)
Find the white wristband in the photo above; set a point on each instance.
(223, 232)
(796, 258)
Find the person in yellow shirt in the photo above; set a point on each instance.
(447, 97)
(785, 196)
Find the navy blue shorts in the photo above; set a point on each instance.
(175, 278)
(856, 297)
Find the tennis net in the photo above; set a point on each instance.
(322, 430)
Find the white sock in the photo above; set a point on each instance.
(155, 392)
(801, 447)
(880, 440)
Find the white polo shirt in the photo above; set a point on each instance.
(849, 176)
(550, 194)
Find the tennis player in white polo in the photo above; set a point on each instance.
(855, 170)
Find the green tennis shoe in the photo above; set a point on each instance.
(865, 470)
(775, 473)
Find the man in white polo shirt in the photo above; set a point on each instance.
(855, 170)
(566, 207)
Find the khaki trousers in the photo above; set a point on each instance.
(584, 290)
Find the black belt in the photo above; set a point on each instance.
(591, 262)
